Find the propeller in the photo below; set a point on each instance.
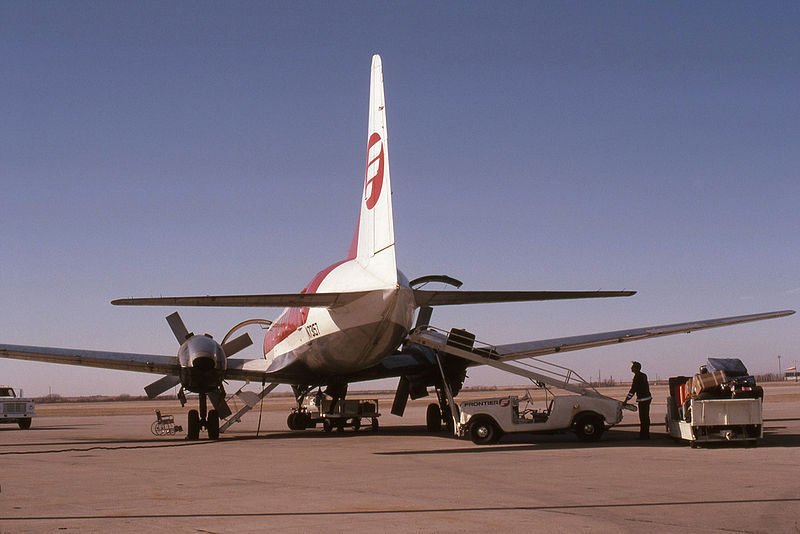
(191, 344)
(406, 388)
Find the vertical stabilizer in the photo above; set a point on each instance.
(373, 244)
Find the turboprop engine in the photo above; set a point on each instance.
(202, 365)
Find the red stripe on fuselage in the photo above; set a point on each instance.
(293, 318)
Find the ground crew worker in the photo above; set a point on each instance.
(641, 389)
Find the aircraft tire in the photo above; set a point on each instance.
(307, 422)
(213, 425)
(193, 426)
(433, 418)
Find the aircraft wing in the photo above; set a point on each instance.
(143, 363)
(286, 300)
(124, 361)
(516, 351)
(443, 298)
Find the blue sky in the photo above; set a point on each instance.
(190, 148)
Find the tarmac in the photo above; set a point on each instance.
(96, 467)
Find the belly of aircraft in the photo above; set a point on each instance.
(351, 349)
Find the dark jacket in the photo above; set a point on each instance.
(640, 388)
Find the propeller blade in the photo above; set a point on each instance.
(217, 399)
(178, 328)
(161, 385)
(401, 397)
(424, 316)
(235, 345)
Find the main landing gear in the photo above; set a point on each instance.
(438, 415)
(204, 419)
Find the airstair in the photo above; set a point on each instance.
(462, 344)
(250, 400)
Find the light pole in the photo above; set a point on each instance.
(780, 369)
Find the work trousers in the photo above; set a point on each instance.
(644, 419)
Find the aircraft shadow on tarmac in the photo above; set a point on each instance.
(773, 437)
(564, 440)
(41, 428)
(94, 445)
(414, 511)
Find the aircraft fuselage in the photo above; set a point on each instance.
(343, 339)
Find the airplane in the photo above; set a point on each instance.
(351, 323)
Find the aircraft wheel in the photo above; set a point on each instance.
(292, 421)
(193, 428)
(483, 431)
(589, 427)
(307, 422)
(24, 424)
(447, 419)
(433, 418)
(213, 425)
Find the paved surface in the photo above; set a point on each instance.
(77, 472)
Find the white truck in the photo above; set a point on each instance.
(15, 409)
(587, 412)
(486, 420)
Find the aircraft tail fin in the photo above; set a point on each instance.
(373, 242)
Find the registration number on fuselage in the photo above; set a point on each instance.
(312, 330)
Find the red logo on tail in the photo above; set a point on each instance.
(374, 177)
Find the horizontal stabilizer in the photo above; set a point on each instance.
(287, 300)
(444, 298)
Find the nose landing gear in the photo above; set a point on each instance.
(204, 419)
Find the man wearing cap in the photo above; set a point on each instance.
(641, 389)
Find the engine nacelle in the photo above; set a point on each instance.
(203, 363)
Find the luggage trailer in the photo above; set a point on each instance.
(712, 420)
(587, 412)
(716, 420)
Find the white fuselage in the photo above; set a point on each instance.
(347, 338)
